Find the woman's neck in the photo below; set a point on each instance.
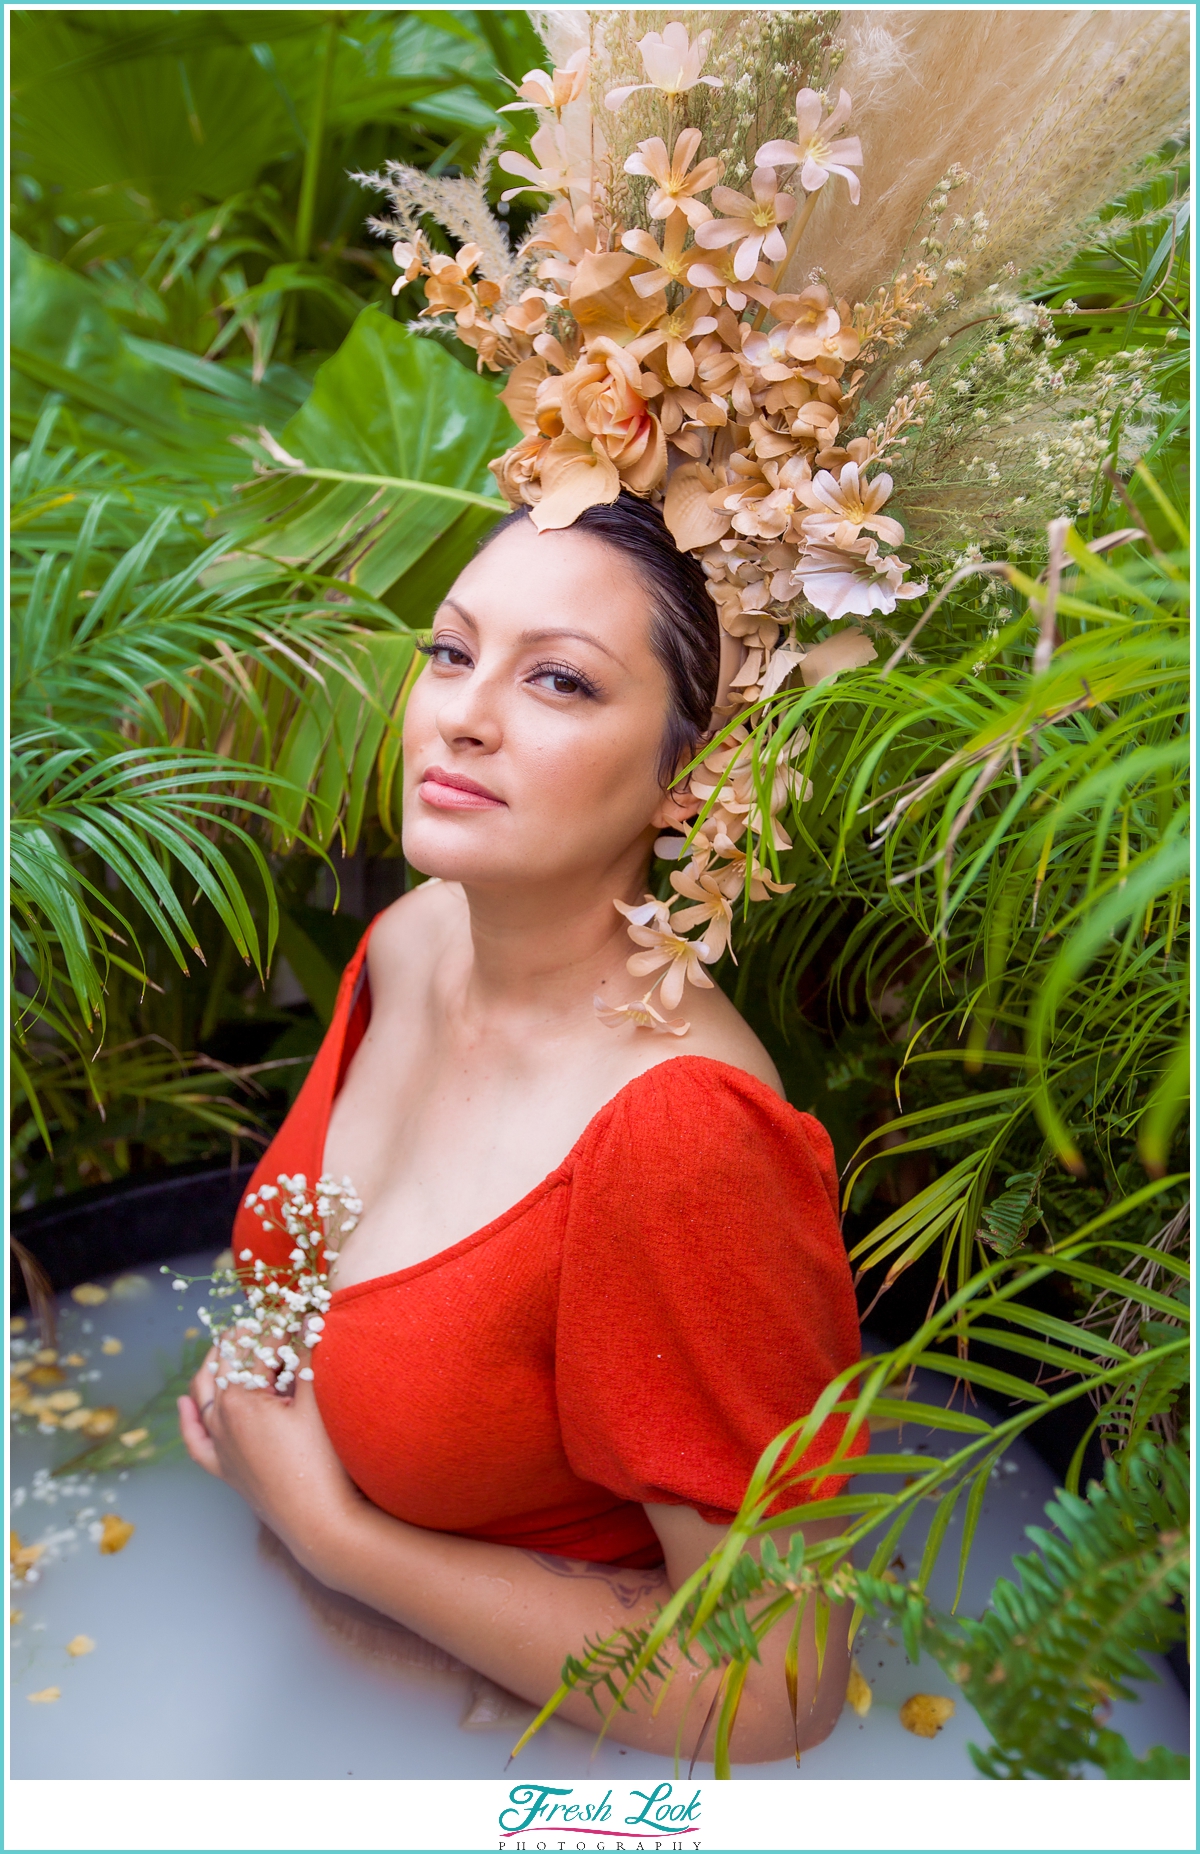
(538, 952)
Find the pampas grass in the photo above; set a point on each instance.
(1050, 111)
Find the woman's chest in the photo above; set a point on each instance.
(440, 1143)
(437, 1386)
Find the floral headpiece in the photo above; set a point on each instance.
(650, 346)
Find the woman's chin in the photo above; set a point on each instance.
(456, 848)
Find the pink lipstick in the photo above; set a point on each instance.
(449, 791)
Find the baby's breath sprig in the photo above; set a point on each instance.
(278, 1309)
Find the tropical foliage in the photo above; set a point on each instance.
(233, 508)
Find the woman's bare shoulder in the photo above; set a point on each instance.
(720, 1032)
(408, 938)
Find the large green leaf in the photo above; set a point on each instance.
(57, 322)
(150, 403)
(156, 110)
(393, 405)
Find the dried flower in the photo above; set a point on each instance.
(812, 152)
(671, 62)
(537, 90)
(751, 224)
(675, 188)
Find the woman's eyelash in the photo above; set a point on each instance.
(568, 673)
(434, 646)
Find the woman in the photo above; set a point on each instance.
(544, 1380)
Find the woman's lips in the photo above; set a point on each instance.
(448, 791)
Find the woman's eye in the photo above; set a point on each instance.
(561, 682)
(448, 655)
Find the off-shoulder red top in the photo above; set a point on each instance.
(636, 1329)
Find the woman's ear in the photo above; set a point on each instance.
(676, 810)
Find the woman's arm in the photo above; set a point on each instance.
(513, 1615)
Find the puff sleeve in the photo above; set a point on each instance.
(705, 1296)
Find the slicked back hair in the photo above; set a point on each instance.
(685, 634)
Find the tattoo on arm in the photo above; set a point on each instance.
(629, 1586)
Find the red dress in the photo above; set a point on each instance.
(636, 1329)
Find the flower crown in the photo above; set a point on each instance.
(663, 358)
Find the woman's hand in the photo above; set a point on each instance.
(275, 1453)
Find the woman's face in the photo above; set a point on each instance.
(532, 735)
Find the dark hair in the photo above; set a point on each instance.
(685, 634)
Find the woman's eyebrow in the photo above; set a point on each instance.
(462, 611)
(581, 637)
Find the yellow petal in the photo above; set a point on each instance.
(858, 1693)
(115, 1535)
(89, 1295)
(80, 1644)
(46, 1374)
(64, 1400)
(101, 1422)
(47, 1696)
(925, 1714)
(15, 1616)
(78, 1419)
(111, 1347)
(132, 1437)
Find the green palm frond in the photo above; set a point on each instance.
(1058, 1645)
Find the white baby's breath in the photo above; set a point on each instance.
(280, 1312)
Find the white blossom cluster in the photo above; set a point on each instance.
(280, 1312)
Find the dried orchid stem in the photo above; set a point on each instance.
(1048, 630)
(794, 236)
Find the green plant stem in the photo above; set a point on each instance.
(403, 482)
(316, 138)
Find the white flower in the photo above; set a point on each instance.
(812, 152)
(246, 1255)
(672, 63)
(857, 578)
(180, 1287)
(306, 1373)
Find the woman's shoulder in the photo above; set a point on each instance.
(709, 1125)
(408, 938)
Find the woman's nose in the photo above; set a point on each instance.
(469, 715)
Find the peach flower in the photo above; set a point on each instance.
(846, 505)
(550, 175)
(752, 224)
(675, 187)
(673, 331)
(672, 64)
(685, 961)
(641, 1015)
(668, 259)
(812, 152)
(537, 90)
